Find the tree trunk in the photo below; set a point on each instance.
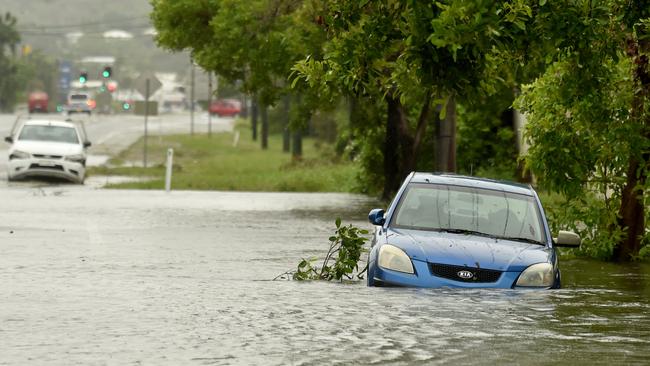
(254, 115)
(391, 148)
(244, 106)
(265, 126)
(446, 140)
(296, 153)
(631, 215)
(286, 133)
(632, 212)
(402, 146)
(411, 141)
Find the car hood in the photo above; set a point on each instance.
(47, 148)
(468, 250)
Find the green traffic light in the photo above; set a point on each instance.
(126, 106)
(106, 73)
(82, 79)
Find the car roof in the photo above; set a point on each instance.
(474, 182)
(43, 122)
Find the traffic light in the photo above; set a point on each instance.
(126, 106)
(83, 77)
(108, 71)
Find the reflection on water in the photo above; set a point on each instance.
(155, 279)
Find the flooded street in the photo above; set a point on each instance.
(143, 277)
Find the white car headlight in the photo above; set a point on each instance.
(537, 275)
(77, 158)
(394, 258)
(19, 155)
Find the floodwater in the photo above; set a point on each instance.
(127, 277)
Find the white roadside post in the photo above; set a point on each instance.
(235, 139)
(168, 173)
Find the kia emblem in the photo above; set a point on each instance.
(466, 275)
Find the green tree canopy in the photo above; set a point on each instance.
(9, 38)
(589, 123)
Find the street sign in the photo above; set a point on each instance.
(65, 80)
(147, 84)
(141, 83)
(140, 108)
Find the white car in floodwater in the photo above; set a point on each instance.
(44, 148)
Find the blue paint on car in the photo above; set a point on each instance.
(446, 230)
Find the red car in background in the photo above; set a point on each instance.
(37, 102)
(225, 107)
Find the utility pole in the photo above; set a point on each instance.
(254, 115)
(209, 103)
(146, 117)
(265, 125)
(192, 97)
(286, 132)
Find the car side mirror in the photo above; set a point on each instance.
(376, 217)
(87, 144)
(9, 139)
(567, 239)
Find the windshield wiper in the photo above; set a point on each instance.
(465, 231)
(515, 238)
(472, 232)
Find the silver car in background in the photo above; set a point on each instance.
(79, 103)
(46, 148)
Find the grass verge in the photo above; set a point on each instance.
(213, 163)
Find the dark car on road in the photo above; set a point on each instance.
(456, 231)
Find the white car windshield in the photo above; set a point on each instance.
(78, 97)
(49, 133)
(463, 209)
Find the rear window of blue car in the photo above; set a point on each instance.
(491, 212)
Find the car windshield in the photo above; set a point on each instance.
(471, 210)
(78, 97)
(49, 133)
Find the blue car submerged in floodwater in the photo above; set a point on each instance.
(455, 231)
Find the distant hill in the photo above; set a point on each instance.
(44, 25)
(67, 12)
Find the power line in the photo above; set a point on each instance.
(63, 26)
(96, 36)
(63, 33)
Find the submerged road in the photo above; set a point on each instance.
(111, 134)
(91, 276)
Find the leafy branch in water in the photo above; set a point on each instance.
(341, 261)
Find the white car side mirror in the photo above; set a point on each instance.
(567, 239)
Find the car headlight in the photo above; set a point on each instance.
(19, 155)
(537, 275)
(77, 158)
(394, 258)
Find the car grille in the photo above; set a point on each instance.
(40, 156)
(50, 167)
(479, 275)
